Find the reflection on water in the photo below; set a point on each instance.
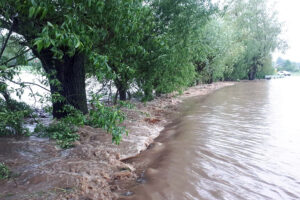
(242, 142)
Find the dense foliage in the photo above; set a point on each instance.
(145, 47)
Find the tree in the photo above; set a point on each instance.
(52, 32)
(266, 69)
(259, 30)
(217, 50)
(158, 45)
(128, 26)
(11, 111)
(12, 54)
(168, 62)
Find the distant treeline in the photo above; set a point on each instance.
(287, 65)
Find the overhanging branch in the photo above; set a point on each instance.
(7, 61)
(7, 38)
(15, 65)
(28, 83)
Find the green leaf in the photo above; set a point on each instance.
(38, 10)
(39, 44)
(31, 12)
(45, 10)
(78, 44)
(50, 24)
(33, 3)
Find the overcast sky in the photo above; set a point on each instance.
(289, 14)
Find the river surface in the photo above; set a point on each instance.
(241, 142)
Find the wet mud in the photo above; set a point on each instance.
(95, 168)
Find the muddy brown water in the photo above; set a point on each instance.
(241, 142)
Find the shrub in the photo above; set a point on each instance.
(108, 118)
(11, 123)
(101, 116)
(12, 118)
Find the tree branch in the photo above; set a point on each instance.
(7, 38)
(33, 95)
(15, 65)
(4, 63)
(28, 83)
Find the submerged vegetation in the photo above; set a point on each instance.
(63, 133)
(142, 48)
(4, 171)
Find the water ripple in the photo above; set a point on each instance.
(241, 142)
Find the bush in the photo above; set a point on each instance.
(101, 116)
(108, 118)
(12, 118)
(11, 123)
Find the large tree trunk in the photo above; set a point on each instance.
(122, 90)
(67, 78)
(210, 80)
(252, 73)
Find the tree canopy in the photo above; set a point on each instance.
(145, 47)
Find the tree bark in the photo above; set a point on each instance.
(252, 73)
(210, 80)
(70, 74)
(122, 92)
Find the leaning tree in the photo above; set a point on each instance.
(63, 34)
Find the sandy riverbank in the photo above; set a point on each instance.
(94, 168)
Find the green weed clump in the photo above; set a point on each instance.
(5, 173)
(64, 133)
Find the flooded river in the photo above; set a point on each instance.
(241, 142)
